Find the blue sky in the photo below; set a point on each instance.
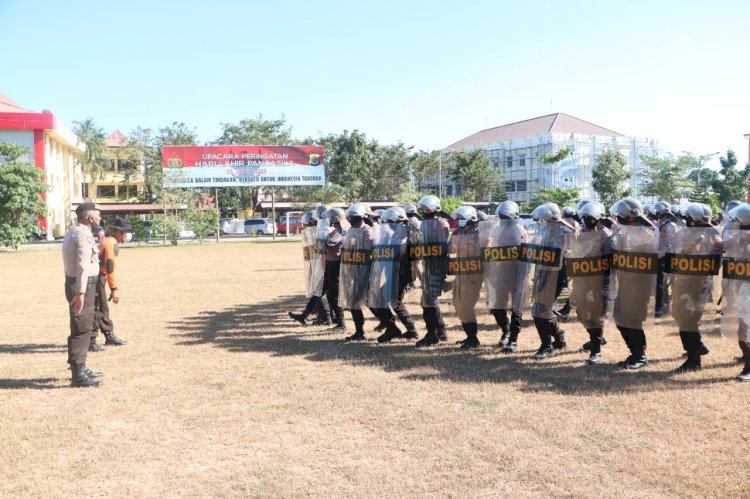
(425, 73)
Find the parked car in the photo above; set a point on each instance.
(295, 225)
(225, 226)
(153, 230)
(259, 226)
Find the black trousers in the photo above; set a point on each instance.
(102, 320)
(662, 294)
(635, 339)
(81, 326)
(331, 288)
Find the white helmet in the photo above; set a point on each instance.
(334, 214)
(429, 202)
(547, 212)
(395, 214)
(591, 210)
(698, 212)
(465, 213)
(508, 209)
(319, 210)
(356, 210)
(307, 218)
(627, 207)
(741, 214)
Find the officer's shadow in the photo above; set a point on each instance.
(34, 383)
(265, 327)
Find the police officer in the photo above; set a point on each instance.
(635, 246)
(414, 220)
(546, 253)
(504, 273)
(570, 215)
(109, 250)
(428, 244)
(667, 224)
(81, 262)
(588, 269)
(735, 313)
(354, 279)
(465, 263)
(693, 264)
(335, 216)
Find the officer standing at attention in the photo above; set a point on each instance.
(81, 263)
(109, 250)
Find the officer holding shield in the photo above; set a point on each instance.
(667, 224)
(693, 265)
(465, 263)
(428, 244)
(354, 279)
(546, 252)
(635, 246)
(504, 273)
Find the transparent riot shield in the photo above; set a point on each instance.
(633, 275)
(318, 259)
(388, 249)
(308, 249)
(465, 263)
(735, 299)
(505, 275)
(546, 253)
(693, 266)
(588, 262)
(428, 245)
(354, 276)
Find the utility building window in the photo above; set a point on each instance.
(521, 185)
(105, 191)
(510, 186)
(522, 162)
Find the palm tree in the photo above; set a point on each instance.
(95, 158)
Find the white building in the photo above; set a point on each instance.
(516, 149)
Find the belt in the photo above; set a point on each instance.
(72, 280)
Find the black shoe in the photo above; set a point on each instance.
(356, 337)
(298, 317)
(511, 347)
(560, 344)
(660, 313)
(636, 362)
(544, 352)
(380, 327)
(390, 333)
(689, 365)
(504, 338)
(587, 346)
(740, 360)
(80, 379)
(744, 376)
(595, 358)
(703, 349)
(319, 321)
(111, 339)
(470, 343)
(624, 363)
(93, 347)
(428, 340)
(442, 334)
(410, 334)
(338, 328)
(562, 313)
(90, 373)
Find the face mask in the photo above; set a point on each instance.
(504, 217)
(463, 223)
(95, 227)
(355, 220)
(589, 222)
(429, 216)
(622, 220)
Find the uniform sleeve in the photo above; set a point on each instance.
(83, 260)
(335, 238)
(110, 262)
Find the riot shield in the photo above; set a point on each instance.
(354, 276)
(309, 234)
(546, 253)
(505, 275)
(633, 275)
(318, 259)
(735, 300)
(465, 263)
(588, 262)
(428, 246)
(693, 265)
(388, 248)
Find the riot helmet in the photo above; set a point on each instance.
(429, 204)
(319, 210)
(698, 213)
(569, 212)
(580, 204)
(507, 209)
(482, 216)
(410, 210)
(661, 209)
(741, 214)
(547, 212)
(468, 213)
(307, 218)
(732, 205)
(402, 216)
(356, 213)
(590, 215)
(334, 215)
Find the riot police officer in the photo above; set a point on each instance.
(505, 273)
(428, 244)
(635, 246)
(354, 279)
(465, 263)
(546, 252)
(667, 224)
(693, 265)
(588, 269)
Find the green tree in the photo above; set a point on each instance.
(177, 134)
(609, 175)
(140, 147)
(425, 166)
(562, 197)
(667, 178)
(475, 177)
(21, 184)
(201, 221)
(95, 160)
(552, 159)
(733, 182)
(449, 204)
(351, 161)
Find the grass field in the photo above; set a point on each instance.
(220, 394)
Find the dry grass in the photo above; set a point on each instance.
(219, 394)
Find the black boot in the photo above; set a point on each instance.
(80, 377)
(391, 331)
(559, 336)
(595, 346)
(301, 318)
(512, 345)
(111, 339)
(745, 374)
(359, 326)
(410, 333)
(93, 347)
(442, 334)
(691, 342)
(431, 322)
(472, 341)
(505, 336)
(544, 328)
